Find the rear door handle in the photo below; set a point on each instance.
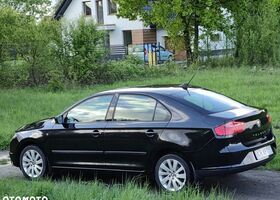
(150, 133)
(96, 133)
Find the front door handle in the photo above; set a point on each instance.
(150, 133)
(96, 133)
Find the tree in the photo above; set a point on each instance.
(27, 43)
(34, 46)
(36, 8)
(180, 18)
(81, 51)
(9, 21)
(256, 25)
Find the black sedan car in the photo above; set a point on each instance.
(174, 133)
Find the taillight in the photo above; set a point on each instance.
(269, 119)
(230, 129)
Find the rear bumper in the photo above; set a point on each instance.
(249, 161)
(217, 171)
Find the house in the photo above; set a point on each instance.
(121, 31)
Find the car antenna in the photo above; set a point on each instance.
(187, 85)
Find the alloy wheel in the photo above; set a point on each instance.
(32, 163)
(172, 175)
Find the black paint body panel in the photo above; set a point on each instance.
(130, 146)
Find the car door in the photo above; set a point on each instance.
(79, 142)
(133, 132)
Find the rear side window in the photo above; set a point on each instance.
(207, 100)
(161, 113)
(140, 108)
(135, 108)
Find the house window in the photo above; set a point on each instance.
(99, 10)
(112, 7)
(87, 8)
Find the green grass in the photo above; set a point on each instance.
(275, 163)
(4, 162)
(72, 190)
(253, 87)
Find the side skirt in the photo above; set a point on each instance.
(98, 169)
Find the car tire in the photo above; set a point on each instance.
(172, 173)
(33, 163)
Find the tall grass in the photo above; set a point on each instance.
(79, 190)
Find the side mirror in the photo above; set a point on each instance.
(60, 119)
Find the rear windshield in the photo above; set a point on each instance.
(207, 100)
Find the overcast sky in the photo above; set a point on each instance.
(53, 2)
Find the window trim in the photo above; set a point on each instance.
(65, 113)
(155, 109)
(84, 9)
(108, 6)
(139, 94)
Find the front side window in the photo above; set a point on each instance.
(91, 110)
(87, 8)
(112, 7)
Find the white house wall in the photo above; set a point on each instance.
(74, 10)
(122, 24)
(161, 34)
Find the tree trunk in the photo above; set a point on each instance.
(33, 75)
(196, 39)
(188, 48)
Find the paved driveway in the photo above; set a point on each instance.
(253, 184)
(8, 171)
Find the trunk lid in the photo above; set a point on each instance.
(258, 127)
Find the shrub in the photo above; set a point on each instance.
(226, 61)
(124, 70)
(133, 68)
(14, 74)
(56, 80)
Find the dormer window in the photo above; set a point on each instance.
(112, 7)
(87, 8)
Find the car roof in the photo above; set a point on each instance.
(157, 89)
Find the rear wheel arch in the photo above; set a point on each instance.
(172, 172)
(163, 152)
